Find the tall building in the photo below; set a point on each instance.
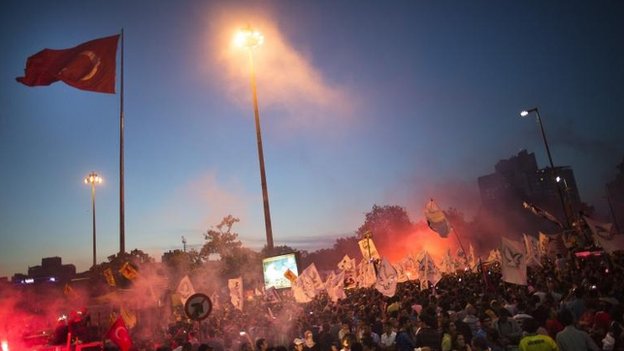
(615, 196)
(518, 179)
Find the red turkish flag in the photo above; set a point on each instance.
(88, 66)
(118, 333)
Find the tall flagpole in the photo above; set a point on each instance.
(122, 230)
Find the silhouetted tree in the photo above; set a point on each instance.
(385, 221)
(222, 240)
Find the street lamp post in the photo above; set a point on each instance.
(550, 160)
(92, 179)
(250, 39)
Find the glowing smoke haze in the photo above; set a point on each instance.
(290, 87)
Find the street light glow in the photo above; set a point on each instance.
(248, 38)
(525, 113)
(93, 178)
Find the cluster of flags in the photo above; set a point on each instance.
(378, 273)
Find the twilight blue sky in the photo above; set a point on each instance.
(361, 102)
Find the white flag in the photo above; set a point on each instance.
(368, 249)
(472, 259)
(346, 264)
(335, 286)
(401, 274)
(448, 263)
(236, 292)
(513, 265)
(410, 267)
(494, 256)
(436, 220)
(329, 280)
(185, 289)
(307, 285)
(366, 274)
(386, 279)
(603, 235)
(552, 243)
(427, 270)
(531, 245)
(544, 244)
(271, 295)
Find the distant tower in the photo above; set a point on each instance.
(184, 243)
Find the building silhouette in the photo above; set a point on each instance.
(51, 269)
(519, 179)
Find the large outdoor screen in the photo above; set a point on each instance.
(274, 267)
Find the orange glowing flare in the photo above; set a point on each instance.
(4, 345)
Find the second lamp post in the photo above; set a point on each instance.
(93, 179)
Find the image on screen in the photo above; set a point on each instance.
(273, 269)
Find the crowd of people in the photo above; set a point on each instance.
(568, 304)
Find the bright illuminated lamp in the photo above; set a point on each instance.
(93, 178)
(248, 38)
(525, 113)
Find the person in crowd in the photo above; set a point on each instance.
(494, 340)
(325, 337)
(449, 332)
(388, 338)
(367, 331)
(345, 329)
(262, 344)
(508, 329)
(215, 342)
(479, 343)
(298, 344)
(461, 326)
(428, 336)
(404, 338)
(459, 344)
(485, 324)
(309, 343)
(571, 338)
(575, 302)
(348, 343)
(532, 341)
(471, 319)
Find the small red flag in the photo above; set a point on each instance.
(118, 333)
(88, 66)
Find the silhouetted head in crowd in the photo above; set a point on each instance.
(530, 325)
(565, 317)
